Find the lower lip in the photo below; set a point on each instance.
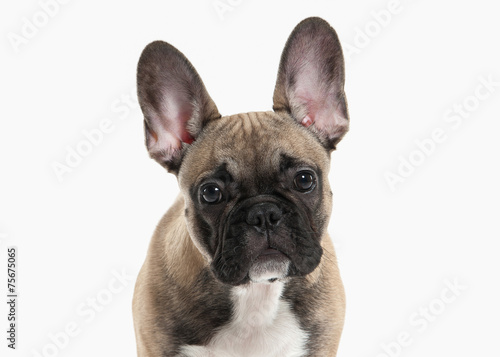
(271, 255)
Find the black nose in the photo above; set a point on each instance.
(264, 216)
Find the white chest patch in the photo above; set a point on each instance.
(262, 326)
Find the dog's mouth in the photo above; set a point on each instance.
(270, 252)
(269, 266)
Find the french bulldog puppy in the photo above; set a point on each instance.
(242, 265)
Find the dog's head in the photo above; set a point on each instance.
(257, 197)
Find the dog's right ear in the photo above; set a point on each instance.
(174, 102)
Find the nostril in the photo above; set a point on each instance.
(274, 217)
(255, 218)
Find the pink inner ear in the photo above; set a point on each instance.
(177, 114)
(308, 93)
(307, 121)
(187, 138)
(170, 131)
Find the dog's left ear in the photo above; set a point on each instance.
(310, 84)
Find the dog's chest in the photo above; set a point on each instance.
(262, 325)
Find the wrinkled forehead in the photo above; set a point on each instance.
(251, 144)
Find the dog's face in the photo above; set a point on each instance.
(257, 204)
(257, 198)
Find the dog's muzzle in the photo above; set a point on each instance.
(264, 239)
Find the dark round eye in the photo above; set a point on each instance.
(304, 181)
(211, 193)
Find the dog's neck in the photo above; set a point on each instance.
(257, 303)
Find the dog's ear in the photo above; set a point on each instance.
(174, 102)
(310, 84)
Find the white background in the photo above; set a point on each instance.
(396, 248)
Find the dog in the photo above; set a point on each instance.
(242, 265)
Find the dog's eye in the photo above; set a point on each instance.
(211, 193)
(304, 181)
